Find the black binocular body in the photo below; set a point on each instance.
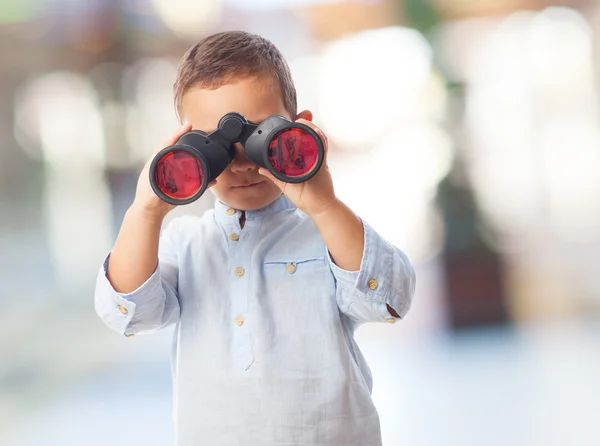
(292, 152)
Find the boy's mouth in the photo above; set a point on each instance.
(247, 185)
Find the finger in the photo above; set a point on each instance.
(186, 127)
(170, 141)
(317, 130)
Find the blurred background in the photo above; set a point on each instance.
(467, 132)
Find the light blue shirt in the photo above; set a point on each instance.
(263, 350)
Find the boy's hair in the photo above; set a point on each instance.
(218, 58)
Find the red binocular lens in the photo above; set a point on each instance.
(293, 152)
(179, 174)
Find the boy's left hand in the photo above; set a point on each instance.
(315, 195)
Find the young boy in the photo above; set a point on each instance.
(267, 289)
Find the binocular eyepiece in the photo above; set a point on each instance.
(292, 152)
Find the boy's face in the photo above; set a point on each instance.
(240, 186)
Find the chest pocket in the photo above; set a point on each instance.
(299, 283)
(300, 255)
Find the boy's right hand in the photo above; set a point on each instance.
(146, 199)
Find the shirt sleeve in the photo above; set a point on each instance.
(151, 307)
(386, 277)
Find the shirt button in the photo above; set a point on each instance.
(239, 272)
(373, 284)
(230, 211)
(239, 320)
(122, 309)
(233, 236)
(130, 335)
(290, 268)
(391, 320)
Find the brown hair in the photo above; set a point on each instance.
(218, 58)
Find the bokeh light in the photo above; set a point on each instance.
(532, 118)
(58, 121)
(370, 83)
(188, 19)
(147, 85)
(59, 113)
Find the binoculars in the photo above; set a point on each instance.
(292, 152)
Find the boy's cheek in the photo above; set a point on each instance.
(269, 181)
(222, 179)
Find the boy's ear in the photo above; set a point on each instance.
(305, 114)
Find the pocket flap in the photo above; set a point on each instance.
(295, 261)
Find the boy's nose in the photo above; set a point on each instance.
(240, 162)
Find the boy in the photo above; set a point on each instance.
(265, 290)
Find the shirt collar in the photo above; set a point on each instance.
(224, 212)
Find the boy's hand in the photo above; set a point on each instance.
(145, 198)
(315, 195)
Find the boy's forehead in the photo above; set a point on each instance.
(256, 99)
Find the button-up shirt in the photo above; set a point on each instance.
(264, 352)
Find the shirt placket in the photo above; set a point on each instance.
(240, 244)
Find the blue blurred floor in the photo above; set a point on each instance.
(125, 406)
(535, 386)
